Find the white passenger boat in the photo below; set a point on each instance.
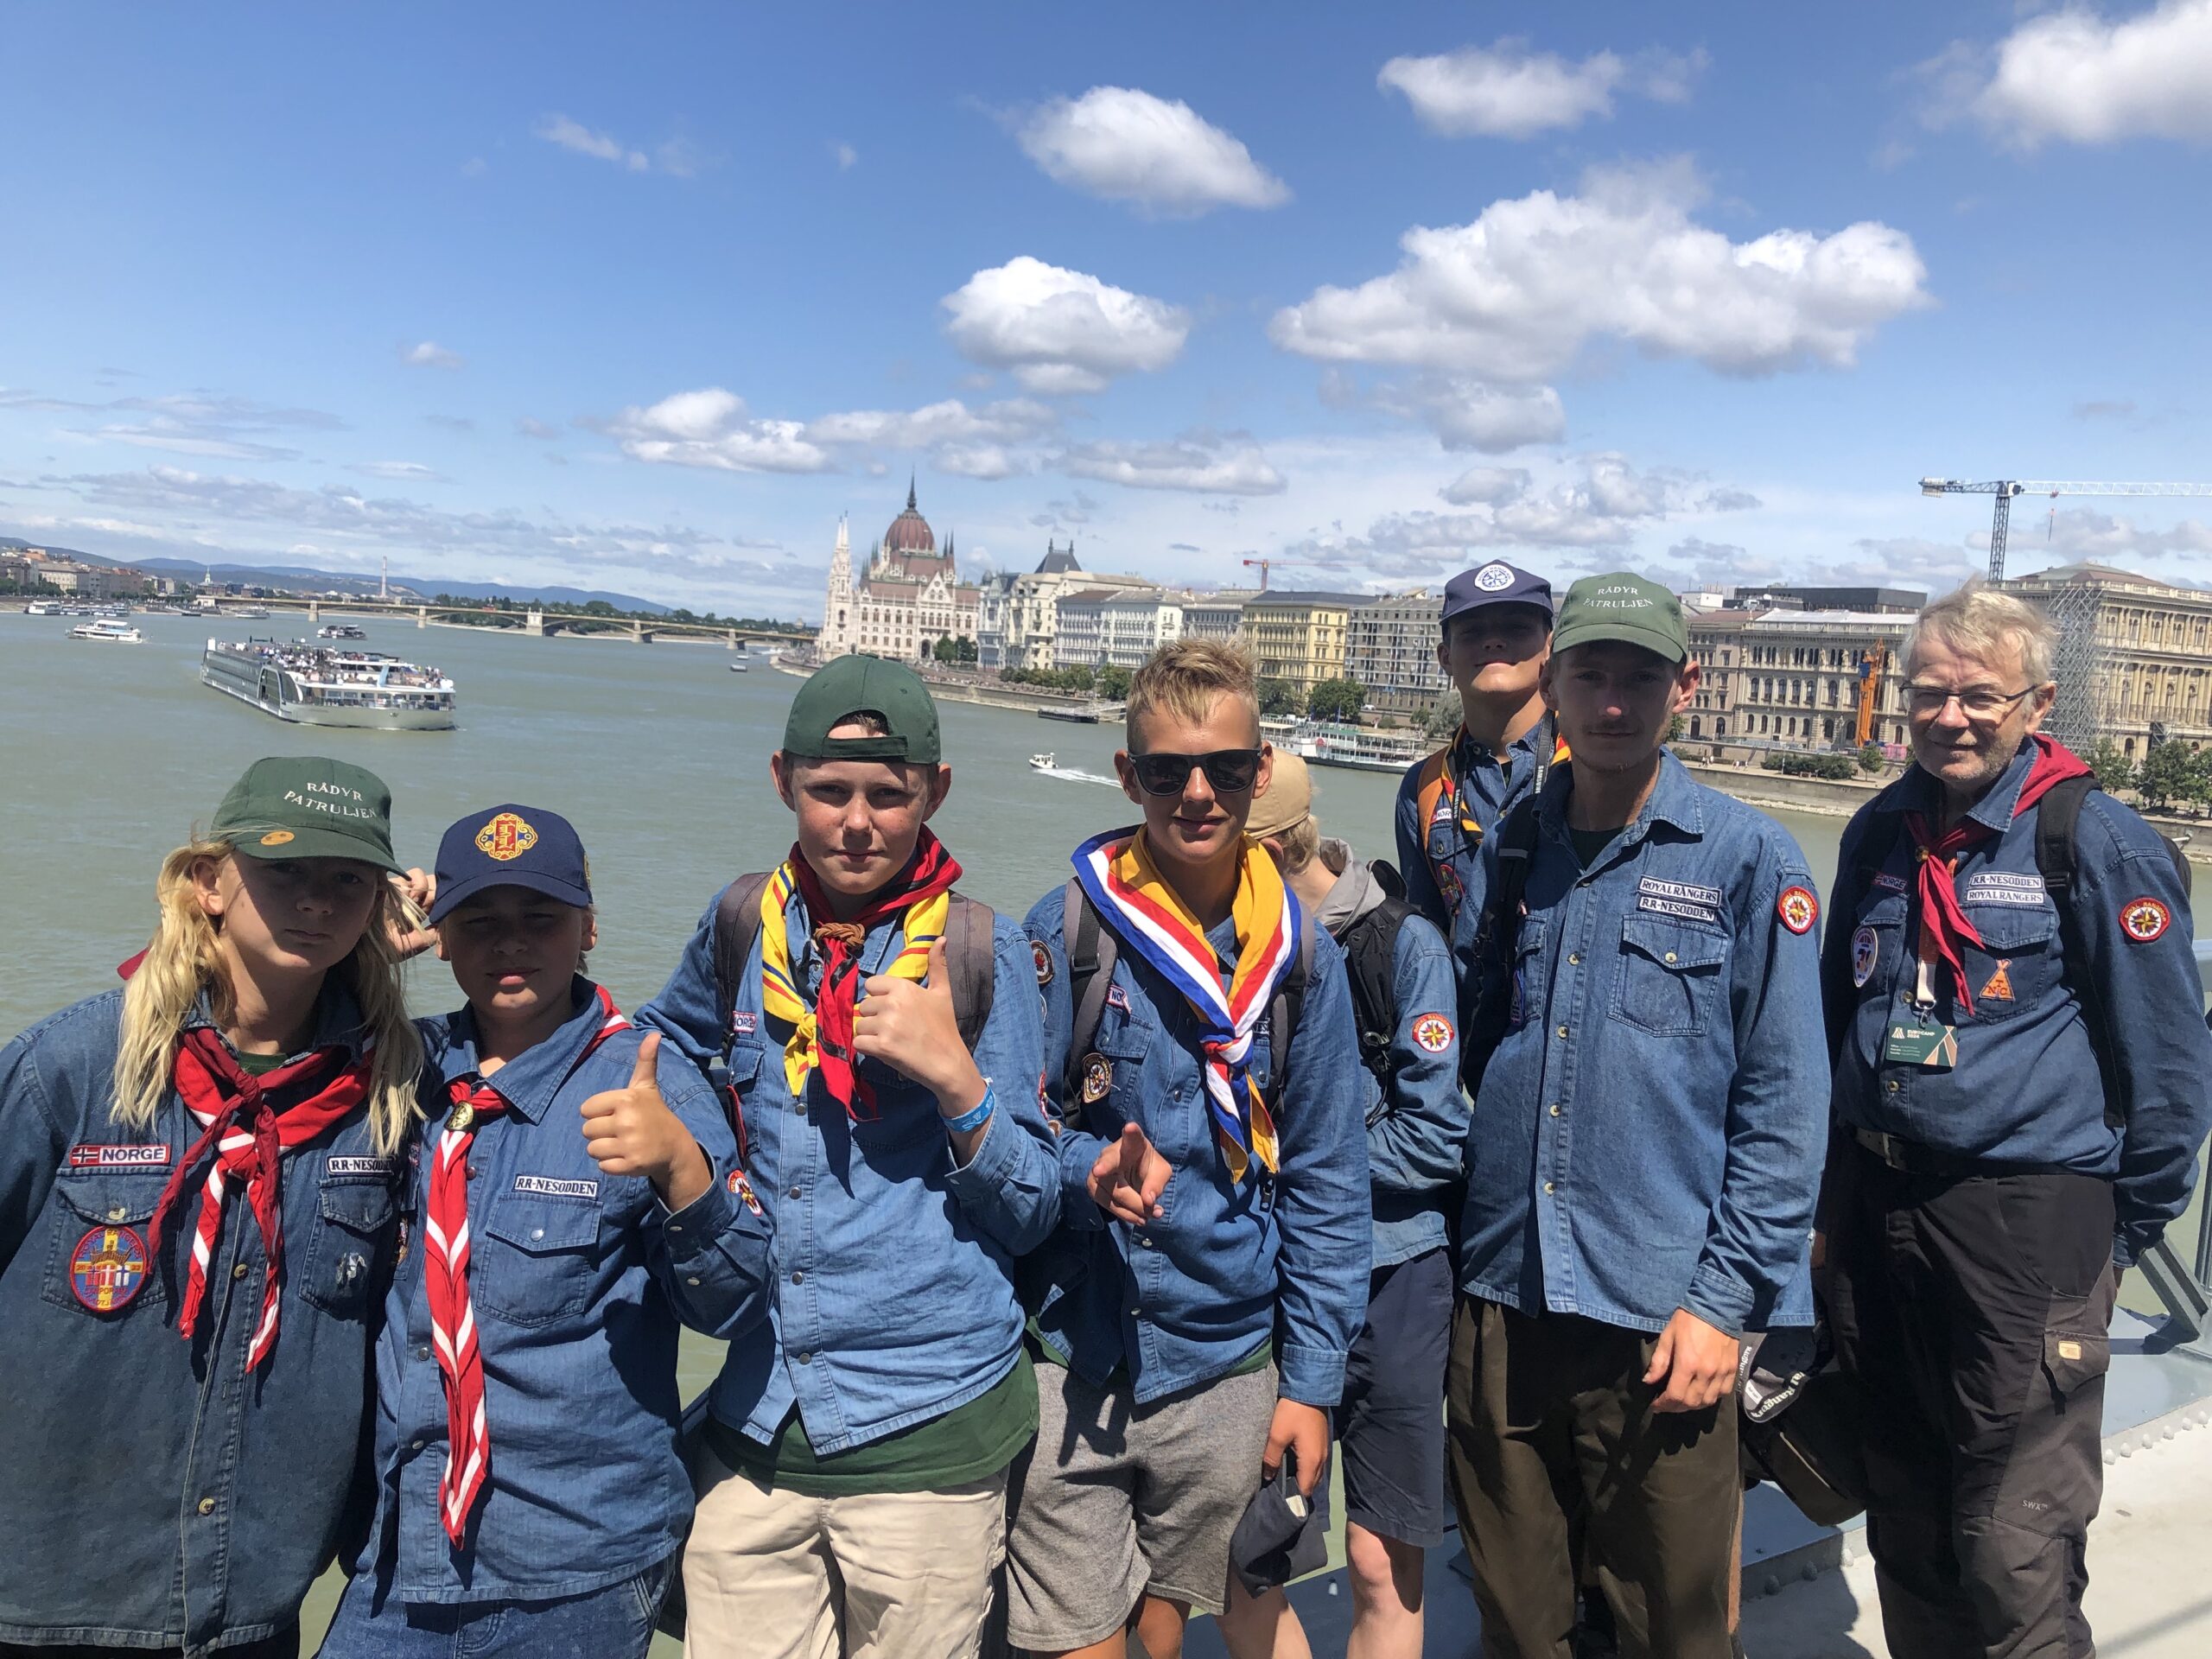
(296, 681)
(114, 633)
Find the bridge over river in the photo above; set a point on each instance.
(534, 623)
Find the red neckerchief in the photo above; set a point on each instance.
(1943, 924)
(248, 1136)
(933, 871)
(445, 1280)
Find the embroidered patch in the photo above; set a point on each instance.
(1448, 884)
(1442, 813)
(2000, 986)
(743, 1022)
(742, 1190)
(1866, 950)
(505, 836)
(1117, 998)
(1798, 909)
(2003, 887)
(108, 1268)
(1432, 1032)
(551, 1188)
(1043, 956)
(1682, 893)
(126, 1157)
(1673, 907)
(358, 1166)
(1098, 1078)
(277, 838)
(1894, 883)
(2145, 920)
(1494, 578)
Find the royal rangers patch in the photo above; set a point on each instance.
(1117, 998)
(2145, 920)
(1894, 883)
(1098, 1078)
(1432, 1034)
(108, 1268)
(1798, 909)
(506, 836)
(1042, 956)
(126, 1157)
(1866, 951)
(742, 1191)
(743, 1022)
(1494, 577)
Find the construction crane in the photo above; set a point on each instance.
(1873, 664)
(1266, 565)
(2005, 488)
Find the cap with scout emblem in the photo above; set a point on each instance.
(307, 806)
(1495, 583)
(858, 684)
(1288, 802)
(510, 846)
(1633, 609)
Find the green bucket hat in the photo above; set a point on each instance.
(1625, 607)
(307, 806)
(852, 684)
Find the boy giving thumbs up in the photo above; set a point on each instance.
(574, 1197)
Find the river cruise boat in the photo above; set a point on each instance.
(1325, 743)
(296, 681)
(339, 630)
(115, 633)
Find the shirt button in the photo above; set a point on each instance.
(806, 1359)
(240, 1271)
(422, 1351)
(118, 1213)
(1550, 1187)
(675, 1227)
(794, 1192)
(1670, 956)
(1893, 1085)
(690, 1281)
(536, 1233)
(206, 1506)
(1556, 1109)
(416, 1445)
(799, 1276)
(1562, 1031)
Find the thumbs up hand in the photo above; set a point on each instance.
(914, 1029)
(631, 1131)
(1128, 1178)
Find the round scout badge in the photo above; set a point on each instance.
(1798, 909)
(2145, 920)
(108, 1268)
(1432, 1034)
(1044, 960)
(1865, 948)
(1098, 1078)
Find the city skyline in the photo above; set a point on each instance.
(1374, 297)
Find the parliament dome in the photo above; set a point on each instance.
(910, 532)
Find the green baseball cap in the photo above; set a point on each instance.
(1620, 605)
(857, 685)
(307, 806)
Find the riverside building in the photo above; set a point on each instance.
(2135, 657)
(1798, 679)
(909, 597)
(1390, 649)
(1298, 638)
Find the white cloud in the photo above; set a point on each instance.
(948, 421)
(1514, 295)
(528, 427)
(1507, 91)
(987, 461)
(1489, 485)
(1470, 414)
(1061, 331)
(575, 135)
(403, 471)
(1128, 145)
(1199, 465)
(710, 428)
(2074, 77)
(847, 157)
(428, 354)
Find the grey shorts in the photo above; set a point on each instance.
(1118, 1500)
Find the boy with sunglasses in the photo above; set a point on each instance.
(1202, 1060)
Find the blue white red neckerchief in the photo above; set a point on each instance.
(1150, 919)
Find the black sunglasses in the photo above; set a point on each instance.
(1231, 771)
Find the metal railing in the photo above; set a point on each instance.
(2186, 1294)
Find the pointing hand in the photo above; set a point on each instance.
(631, 1131)
(1128, 1178)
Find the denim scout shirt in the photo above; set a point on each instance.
(1649, 1133)
(1496, 784)
(1183, 1299)
(2026, 1089)
(578, 1280)
(892, 1298)
(156, 1494)
(1417, 1129)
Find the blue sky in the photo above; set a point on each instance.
(644, 299)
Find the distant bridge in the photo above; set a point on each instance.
(536, 624)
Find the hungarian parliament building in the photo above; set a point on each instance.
(906, 598)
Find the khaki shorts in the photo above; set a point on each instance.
(1118, 1501)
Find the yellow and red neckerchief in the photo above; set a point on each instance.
(1438, 796)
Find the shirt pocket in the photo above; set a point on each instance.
(2016, 966)
(1669, 977)
(98, 1262)
(352, 1231)
(1523, 988)
(534, 1259)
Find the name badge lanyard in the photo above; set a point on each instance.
(1923, 1041)
(1544, 740)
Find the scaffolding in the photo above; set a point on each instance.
(2082, 666)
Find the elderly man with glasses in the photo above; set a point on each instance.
(2020, 1086)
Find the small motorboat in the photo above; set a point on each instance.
(738, 667)
(1042, 762)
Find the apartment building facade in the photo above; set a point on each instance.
(1299, 637)
(1390, 649)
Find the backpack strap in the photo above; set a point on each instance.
(1092, 952)
(1371, 946)
(971, 953)
(737, 924)
(1482, 1018)
(1289, 1002)
(2058, 852)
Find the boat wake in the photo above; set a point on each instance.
(1074, 776)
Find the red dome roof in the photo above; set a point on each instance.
(910, 532)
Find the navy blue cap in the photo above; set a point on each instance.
(510, 846)
(1495, 583)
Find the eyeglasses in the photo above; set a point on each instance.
(1976, 702)
(1231, 771)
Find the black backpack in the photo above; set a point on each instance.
(1092, 950)
(1370, 947)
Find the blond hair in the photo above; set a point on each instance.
(183, 961)
(1188, 677)
(1976, 620)
(1300, 843)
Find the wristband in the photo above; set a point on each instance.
(976, 1115)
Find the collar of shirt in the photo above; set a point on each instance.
(1468, 751)
(798, 933)
(337, 1021)
(1918, 790)
(528, 1082)
(1674, 800)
